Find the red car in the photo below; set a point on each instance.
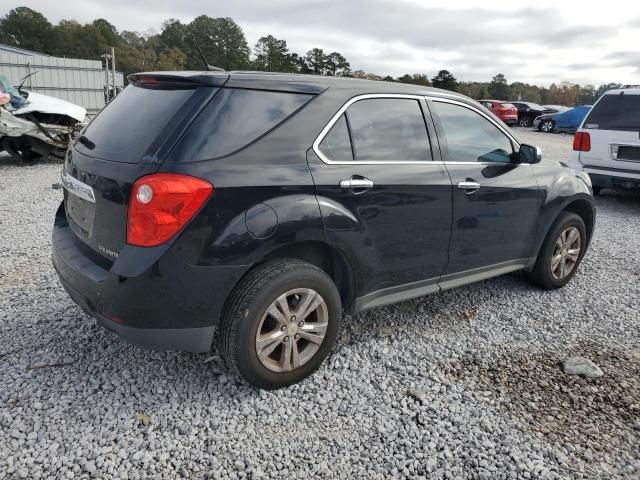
(506, 112)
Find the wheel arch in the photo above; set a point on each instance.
(326, 258)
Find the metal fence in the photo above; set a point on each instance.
(78, 81)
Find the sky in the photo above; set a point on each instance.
(541, 41)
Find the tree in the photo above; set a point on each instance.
(336, 65)
(25, 28)
(445, 80)
(499, 88)
(605, 87)
(415, 79)
(222, 41)
(272, 55)
(315, 60)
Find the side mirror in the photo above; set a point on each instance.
(529, 154)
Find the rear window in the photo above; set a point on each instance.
(233, 119)
(125, 129)
(615, 112)
(508, 105)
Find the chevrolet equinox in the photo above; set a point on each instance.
(253, 209)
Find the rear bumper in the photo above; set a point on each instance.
(610, 177)
(510, 121)
(169, 306)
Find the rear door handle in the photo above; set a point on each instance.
(469, 186)
(359, 184)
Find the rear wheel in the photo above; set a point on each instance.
(524, 122)
(280, 323)
(561, 253)
(546, 126)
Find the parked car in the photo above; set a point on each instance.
(568, 121)
(503, 110)
(34, 126)
(527, 112)
(607, 143)
(263, 206)
(555, 108)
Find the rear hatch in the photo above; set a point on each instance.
(129, 138)
(613, 125)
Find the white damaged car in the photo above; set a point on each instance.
(35, 126)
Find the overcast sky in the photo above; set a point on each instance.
(537, 41)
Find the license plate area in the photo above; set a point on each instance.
(80, 215)
(628, 153)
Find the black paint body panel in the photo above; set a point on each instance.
(413, 228)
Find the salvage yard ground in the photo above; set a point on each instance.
(466, 384)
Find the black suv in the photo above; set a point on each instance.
(528, 112)
(259, 207)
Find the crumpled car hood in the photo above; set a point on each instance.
(46, 104)
(12, 126)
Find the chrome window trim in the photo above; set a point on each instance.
(323, 133)
(351, 101)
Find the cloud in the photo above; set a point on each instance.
(526, 43)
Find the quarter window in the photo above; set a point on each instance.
(470, 136)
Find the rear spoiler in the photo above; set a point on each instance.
(162, 80)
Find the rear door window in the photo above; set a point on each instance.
(388, 129)
(337, 144)
(233, 119)
(615, 112)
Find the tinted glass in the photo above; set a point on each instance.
(388, 129)
(471, 137)
(615, 112)
(233, 119)
(125, 129)
(337, 144)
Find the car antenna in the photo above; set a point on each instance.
(209, 68)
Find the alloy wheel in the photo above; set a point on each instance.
(292, 330)
(566, 253)
(524, 122)
(547, 126)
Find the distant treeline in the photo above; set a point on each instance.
(224, 45)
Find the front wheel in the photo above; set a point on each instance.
(524, 122)
(280, 323)
(561, 253)
(546, 126)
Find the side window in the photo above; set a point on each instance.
(470, 136)
(337, 144)
(388, 129)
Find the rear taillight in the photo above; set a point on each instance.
(582, 142)
(161, 204)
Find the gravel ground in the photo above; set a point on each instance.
(466, 384)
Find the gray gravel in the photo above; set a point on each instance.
(466, 384)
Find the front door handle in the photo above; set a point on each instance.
(358, 184)
(469, 186)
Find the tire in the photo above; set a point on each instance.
(524, 122)
(546, 126)
(544, 274)
(245, 320)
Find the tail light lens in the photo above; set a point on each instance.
(161, 204)
(582, 142)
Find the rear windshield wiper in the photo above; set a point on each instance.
(86, 142)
